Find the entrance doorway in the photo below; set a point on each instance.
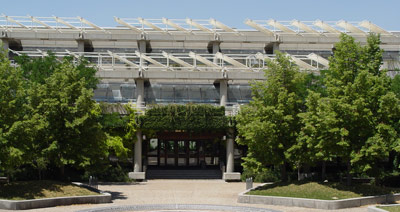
(183, 153)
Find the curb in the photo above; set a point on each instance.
(315, 203)
(57, 201)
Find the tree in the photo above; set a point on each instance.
(13, 146)
(269, 124)
(355, 121)
(66, 119)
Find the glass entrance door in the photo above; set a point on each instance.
(193, 153)
(181, 153)
(170, 149)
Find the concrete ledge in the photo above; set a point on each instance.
(57, 201)
(137, 175)
(231, 176)
(315, 203)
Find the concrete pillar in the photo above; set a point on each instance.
(223, 92)
(142, 46)
(139, 93)
(271, 48)
(5, 43)
(138, 152)
(215, 47)
(81, 45)
(230, 152)
(275, 47)
(138, 173)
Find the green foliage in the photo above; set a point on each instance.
(47, 115)
(357, 119)
(256, 170)
(37, 70)
(109, 174)
(13, 145)
(396, 85)
(66, 119)
(269, 124)
(190, 117)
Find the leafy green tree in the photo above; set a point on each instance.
(355, 121)
(269, 124)
(13, 146)
(66, 119)
(37, 70)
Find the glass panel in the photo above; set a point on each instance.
(181, 93)
(181, 161)
(153, 147)
(193, 154)
(171, 161)
(170, 148)
(167, 93)
(128, 91)
(245, 91)
(192, 161)
(194, 93)
(208, 161)
(209, 94)
(181, 147)
(233, 93)
(192, 147)
(152, 161)
(162, 161)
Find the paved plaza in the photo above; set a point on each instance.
(179, 196)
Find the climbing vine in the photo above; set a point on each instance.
(190, 117)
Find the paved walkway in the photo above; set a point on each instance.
(183, 192)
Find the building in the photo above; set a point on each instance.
(162, 61)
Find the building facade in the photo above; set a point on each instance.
(164, 61)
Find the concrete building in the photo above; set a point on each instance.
(163, 61)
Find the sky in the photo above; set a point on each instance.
(384, 13)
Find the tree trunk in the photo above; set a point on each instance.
(323, 174)
(348, 180)
(40, 174)
(298, 172)
(284, 176)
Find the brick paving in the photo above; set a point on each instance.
(179, 192)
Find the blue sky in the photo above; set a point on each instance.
(385, 13)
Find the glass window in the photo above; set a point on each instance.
(153, 146)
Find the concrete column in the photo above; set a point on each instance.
(271, 48)
(81, 45)
(138, 152)
(275, 47)
(138, 173)
(140, 93)
(223, 92)
(215, 47)
(142, 46)
(230, 152)
(6, 43)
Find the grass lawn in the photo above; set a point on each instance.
(41, 189)
(390, 209)
(323, 191)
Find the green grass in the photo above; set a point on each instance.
(41, 189)
(390, 209)
(323, 191)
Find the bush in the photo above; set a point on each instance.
(113, 173)
(265, 175)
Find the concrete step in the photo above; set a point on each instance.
(183, 174)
